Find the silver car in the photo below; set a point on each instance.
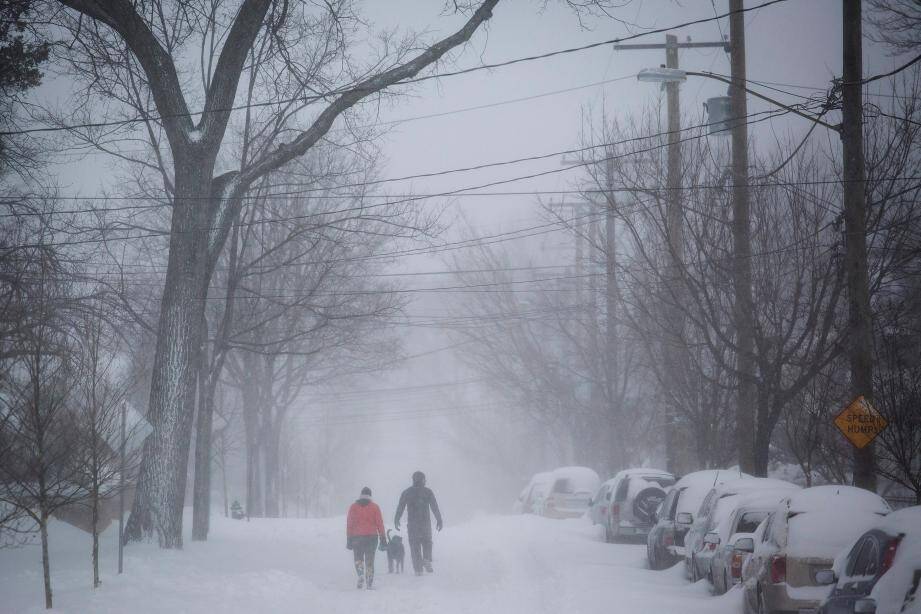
(801, 538)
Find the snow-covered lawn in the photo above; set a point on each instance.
(500, 564)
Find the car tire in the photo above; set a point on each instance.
(762, 607)
(608, 538)
(694, 575)
(746, 606)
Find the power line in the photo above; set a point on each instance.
(307, 99)
(760, 115)
(404, 120)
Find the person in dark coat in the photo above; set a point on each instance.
(417, 500)
(363, 526)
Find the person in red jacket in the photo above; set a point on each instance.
(363, 527)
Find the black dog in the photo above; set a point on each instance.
(395, 553)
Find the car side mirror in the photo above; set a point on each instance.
(824, 577)
(865, 606)
(744, 544)
(684, 518)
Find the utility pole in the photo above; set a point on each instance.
(860, 329)
(674, 349)
(612, 298)
(121, 488)
(743, 308)
(674, 225)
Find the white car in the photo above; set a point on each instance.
(570, 492)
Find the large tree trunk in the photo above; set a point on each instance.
(162, 478)
(201, 487)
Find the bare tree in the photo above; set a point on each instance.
(141, 48)
(38, 472)
(101, 393)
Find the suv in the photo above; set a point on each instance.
(665, 542)
(632, 501)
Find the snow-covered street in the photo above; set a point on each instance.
(500, 564)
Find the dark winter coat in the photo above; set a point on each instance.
(365, 519)
(417, 500)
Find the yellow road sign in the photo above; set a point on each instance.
(860, 422)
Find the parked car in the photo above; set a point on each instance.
(532, 497)
(733, 536)
(636, 495)
(881, 572)
(600, 504)
(665, 541)
(800, 538)
(570, 492)
(701, 540)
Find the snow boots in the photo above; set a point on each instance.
(365, 574)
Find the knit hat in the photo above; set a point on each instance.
(365, 492)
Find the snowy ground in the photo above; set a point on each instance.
(500, 564)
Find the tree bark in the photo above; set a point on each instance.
(201, 486)
(46, 561)
(95, 503)
(162, 479)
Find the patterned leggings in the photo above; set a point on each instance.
(364, 547)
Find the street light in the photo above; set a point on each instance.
(662, 75)
(676, 75)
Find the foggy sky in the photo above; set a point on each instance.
(796, 42)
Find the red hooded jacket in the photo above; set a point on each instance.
(365, 519)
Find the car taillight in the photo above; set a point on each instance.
(889, 554)
(668, 538)
(778, 569)
(710, 546)
(615, 509)
(735, 566)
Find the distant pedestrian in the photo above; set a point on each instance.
(418, 500)
(364, 526)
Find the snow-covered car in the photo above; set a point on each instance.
(601, 502)
(634, 497)
(532, 497)
(570, 492)
(665, 541)
(702, 539)
(801, 538)
(733, 535)
(881, 571)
